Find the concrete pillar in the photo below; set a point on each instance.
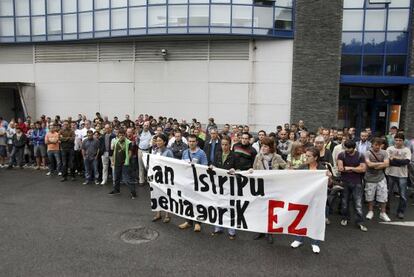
(317, 62)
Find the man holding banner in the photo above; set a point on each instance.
(265, 201)
(193, 155)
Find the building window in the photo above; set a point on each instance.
(38, 25)
(397, 43)
(119, 19)
(220, 15)
(119, 3)
(373, 65)
(374, 42)
(38, 7)
(69, 6)
(177, 15)
(157, 16)
(351, 65)
(102, 20)
(23, 26)
(22, 7)
(395, 66)
(6, 7)
(242, 16)
(198, 15)
(351, 42)
(353, 20)
(6, 26)
(85, 22)
(375, 20)
(138, 17)
(69, 23)
(53, 6)
(54, 26)
(398, 20)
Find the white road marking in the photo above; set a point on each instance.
(400, 223)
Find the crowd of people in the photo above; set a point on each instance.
(375, 169)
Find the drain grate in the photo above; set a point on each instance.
(139, 235)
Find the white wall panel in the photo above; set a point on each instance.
(279, 94)
(274, 72)
(116, 72)
(228, 93)
(66, 72)
(67, 99)
(17, 73)
(116, 99)
(230, 71)
(268, 51)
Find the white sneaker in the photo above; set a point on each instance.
(296, 244)
(315, 249)
(370, 215)
(103, 183)
(344, 222)
(60, 174)
(384, 217)
(49, 173)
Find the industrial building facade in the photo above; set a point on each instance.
(262, 63)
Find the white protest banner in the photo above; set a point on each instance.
(265, 201)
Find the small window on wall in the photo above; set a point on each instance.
(395, 65)
(373, 65)
(351, 65)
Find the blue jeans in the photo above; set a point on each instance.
(54, 160)
(232, 232)
(402, 189)
(313, 241)
(122, 173)
(353, 191)
(91, 169)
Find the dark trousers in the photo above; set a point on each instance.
(122, 173)
(68, 156)
(17, 156)
(78, 161)
(354, 192)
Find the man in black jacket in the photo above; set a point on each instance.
(178, 146)
(225, 159)
(19, 141)
(244, 153)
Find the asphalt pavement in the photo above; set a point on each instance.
(49, 228)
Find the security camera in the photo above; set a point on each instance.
(164, 52)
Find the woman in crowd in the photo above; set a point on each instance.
(267, 159)
(296, 157)
(162, 150)
(311, 163)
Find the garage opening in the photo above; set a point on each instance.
(17, 100)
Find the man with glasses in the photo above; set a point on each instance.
(397, 172)
(213, 146)
(351, 164)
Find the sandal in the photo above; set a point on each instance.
(166, 219)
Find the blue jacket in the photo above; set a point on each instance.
(38, 137)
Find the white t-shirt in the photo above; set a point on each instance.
(398, 153)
